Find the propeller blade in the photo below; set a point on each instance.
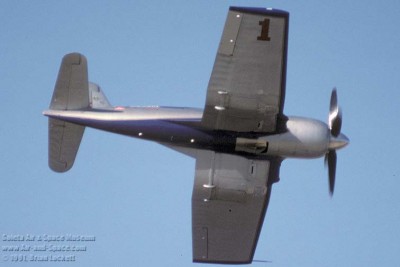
(337, 124)
(331, 159)
(334, 102)
(335, 115)
(336, 140)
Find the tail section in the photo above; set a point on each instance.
(72, 87)
(97, 99)
(64, 141)
(71, 92)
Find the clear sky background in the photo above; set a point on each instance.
(135, 196)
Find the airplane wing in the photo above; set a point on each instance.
(229, 202)
(247, 86)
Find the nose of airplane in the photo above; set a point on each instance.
(338, 142)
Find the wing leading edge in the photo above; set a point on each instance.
(229, 202)
(247, 86)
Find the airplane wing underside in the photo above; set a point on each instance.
(247, 85)
(245, 94)
(229, 201)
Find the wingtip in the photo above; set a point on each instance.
(260, 10)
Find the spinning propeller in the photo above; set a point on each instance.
(337, 140)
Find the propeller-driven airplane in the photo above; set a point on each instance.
(239, 140)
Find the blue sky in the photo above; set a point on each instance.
(134, 196)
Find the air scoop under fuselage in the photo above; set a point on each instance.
(303, 138)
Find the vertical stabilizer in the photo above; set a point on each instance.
(97, 99)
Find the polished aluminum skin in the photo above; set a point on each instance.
(238, 141)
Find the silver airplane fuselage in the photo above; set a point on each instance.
(299, 138)
(238, 141)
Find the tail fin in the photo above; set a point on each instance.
(71, 92)
(97, 99)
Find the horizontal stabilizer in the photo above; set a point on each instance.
(72, 87)
(64, 141)
(71, 92)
